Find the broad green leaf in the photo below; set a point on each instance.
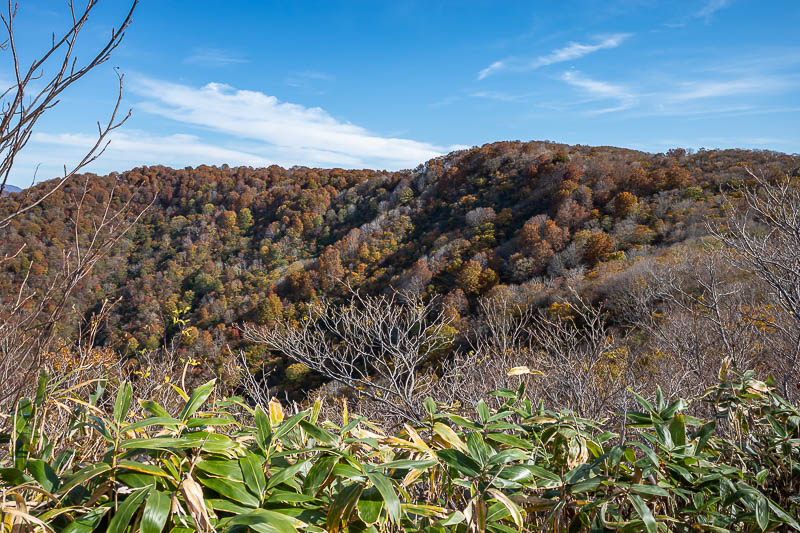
(156, 512)
(449, 436)
(477, 448)
(265, 521)
(342, 506)
(88, 522)
(44, 474)
(510, 440)
(650, 490)
(319, 473)
(321, 435)
(224, 468)
(254, 476)
(123, 403)
(154, 408)
(83, 475)
(483, 411)
(460, 461)
(677, 429)
(119, 522)
(263, 430)
(230, 489)
(762, 513)
(167, 421)
(287, 425)
(286, 473)
(199, 395)
(644, 513)
(390, 499)
(513, 509)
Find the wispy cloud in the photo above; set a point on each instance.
(309, 80)
(284, 131)
(214, 57)
(130, 148)
(720, 88)
(567, 53)
(711, 7)
(601, 90)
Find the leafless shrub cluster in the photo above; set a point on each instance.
(763, 238)
(376, 346)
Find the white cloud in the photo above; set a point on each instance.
(711, 7)
(135, 148)
(568, 53)
(287, 131)
(601, 90)
(497, 65)
(716, 89)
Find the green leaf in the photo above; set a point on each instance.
(703, 434)
(507, 456)
(644, 513)
(224, 468)
(286, 473)
(263, 430)
(342, 506)
(153, 470)
(230, 489)
(41, 388)
(477, 448)
(154, 408)
(123, 403)
(156, 512)
(319, 473)
(88, 522)
(121, 519)
(265, 521)
(321, 435)
(483, 411)
(510, 440)
(44, 474)
(677, 428)
(254, 476)
(199, 395)
(430, 406)
(210, 442)
(287, 425)
(650, 490)
(369, 506)
(762, 513)
(166, 421)
(83, 475)
(386, 490)
(461, 462)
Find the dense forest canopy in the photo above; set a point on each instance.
(222, 246)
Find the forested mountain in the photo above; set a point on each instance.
(224, 246)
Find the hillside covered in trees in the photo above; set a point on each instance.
(218, 247)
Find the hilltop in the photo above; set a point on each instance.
(221, 246)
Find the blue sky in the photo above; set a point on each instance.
(391, 84)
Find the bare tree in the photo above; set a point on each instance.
(584, 369)
(500, 341)
(763, 238)
(38, 87)
(375, 345)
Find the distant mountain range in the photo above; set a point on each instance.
(8, 189)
